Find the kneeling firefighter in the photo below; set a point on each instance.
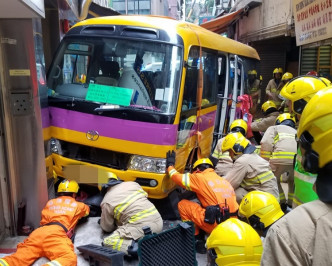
(250, 171)
(125, 209)
(224, 162)
(216, 196)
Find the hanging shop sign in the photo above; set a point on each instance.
(313, 20)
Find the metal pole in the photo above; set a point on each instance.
(126, 4)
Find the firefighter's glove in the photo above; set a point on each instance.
(170, 158)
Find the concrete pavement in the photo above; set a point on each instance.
(91, 233)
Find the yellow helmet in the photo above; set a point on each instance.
(236, 142)
(239, 125)
(315, 128)
(111, 175)
(112, 181)
(301, 89)
(234, 242)
(202, 161)
(267, 105)
(205, 102)
(287, 76)
(252, 72)
(277, 70)
(286, 119)
(260, 208)
(67, 185)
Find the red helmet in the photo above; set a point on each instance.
(312, 73)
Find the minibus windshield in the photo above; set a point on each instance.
(117, 73)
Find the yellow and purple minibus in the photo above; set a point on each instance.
(123, 90)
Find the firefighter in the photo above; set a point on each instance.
(234, 242)
(254, 90)
(225, 163)
(298, 92)
(303, 236)
(216, 196)
(52, 238)
(125, 209)
(278, 147)
(261, 210)
(284, 80)
(250, 171)
(272, 88)
(259, 126)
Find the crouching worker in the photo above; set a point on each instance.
(250, 171)
(52, 238)
(234, 242)
(125, 209)
(216, 195)
(261, 210)
(224, 162)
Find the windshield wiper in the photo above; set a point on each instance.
(109, 108)
(71, 101)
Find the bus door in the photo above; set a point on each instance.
(198, 120)
(222, 78)
(236, 85)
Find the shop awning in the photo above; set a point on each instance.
(220, 24)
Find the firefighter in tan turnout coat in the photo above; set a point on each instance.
(303, 236)
(225, 162)
(125, 210)
(249, 171)
(278, 146)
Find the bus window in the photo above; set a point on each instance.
(221, 75)
(210, 72)
(190, 85)
(142, 75)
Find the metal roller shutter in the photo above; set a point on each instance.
(308, 60)
(317, 59)
(273, 54)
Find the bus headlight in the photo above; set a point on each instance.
(55, 146)
(147, 164)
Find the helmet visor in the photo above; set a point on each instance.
(239, 129)
(298, 106)
(212, 255)
(306, 140)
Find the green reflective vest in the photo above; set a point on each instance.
(304, 182)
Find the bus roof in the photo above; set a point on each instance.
(186, 30)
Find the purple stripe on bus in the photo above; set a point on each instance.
(207, 121)
(151, 133)
(45, 115)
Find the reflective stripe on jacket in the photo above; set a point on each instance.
(260, 179)
(279, 145)
(252, 172)
(127, 203)
(210, 188)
